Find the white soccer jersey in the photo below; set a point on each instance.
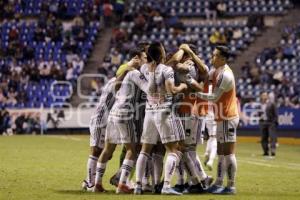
(160, 122)
(157, 84)
(105, 103)
(98, 121)
(123, 108)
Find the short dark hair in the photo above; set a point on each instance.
(224, 51)
(154, 52)
(135, 52)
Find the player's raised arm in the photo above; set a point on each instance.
(176, 58)
(198, 61)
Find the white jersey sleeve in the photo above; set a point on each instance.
(225, 81)
(138, 79)
(168, 74)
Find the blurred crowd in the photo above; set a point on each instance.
(275, 68)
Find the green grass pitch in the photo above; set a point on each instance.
(52, 168)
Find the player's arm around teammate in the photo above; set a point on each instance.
(226, 114)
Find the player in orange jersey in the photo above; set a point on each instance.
(227, 117)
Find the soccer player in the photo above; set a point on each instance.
(227, 117)
(120, 128)
(97, 128)
(211, 125)
(196, 70)
(98, 124)
(159, 120)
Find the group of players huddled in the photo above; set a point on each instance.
(159, 106)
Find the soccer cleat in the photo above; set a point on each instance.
(215, 189)
(138, 189)
(158, 188)
(114, 180)
(179, 188)
(169, 191)
(194, 189)
(207, 182)
(124, 189)
(86, 186)
(228, 191)
(99, 188)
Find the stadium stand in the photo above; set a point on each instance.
(136, 28)
(195, 8)
(38, 52)
(276, 71)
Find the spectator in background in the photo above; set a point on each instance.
(211, 10)
(3, 98)
(256, 21)
(4, 121)
(77, 63)
(217, 38)
(11, 96)
(221, 9)
(70, 75)
(119, 9)
(107, 8)
(254, 75)
(20, 120)
(44, 70)
(268, 124)
(116, 57)
(288, 52)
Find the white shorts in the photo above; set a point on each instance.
(97, 134)
(226, 130)
(161, 124)
(189, 124)
(120, 132)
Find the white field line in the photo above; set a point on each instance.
(65, 137)
(273, 165)
(268, 160)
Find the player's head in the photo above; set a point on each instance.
(220, 56)
(133, 54)
(140, 54)
(264, 97)
(156, 53)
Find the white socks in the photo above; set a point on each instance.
(141, 166)
(180, 173)
(170, 167)
(231, 168)
(198, 166)
(100, 172)
(212, 150)
(221, 169)
(148, 172)
(91, 170)
(190, 167)
(126, 170)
